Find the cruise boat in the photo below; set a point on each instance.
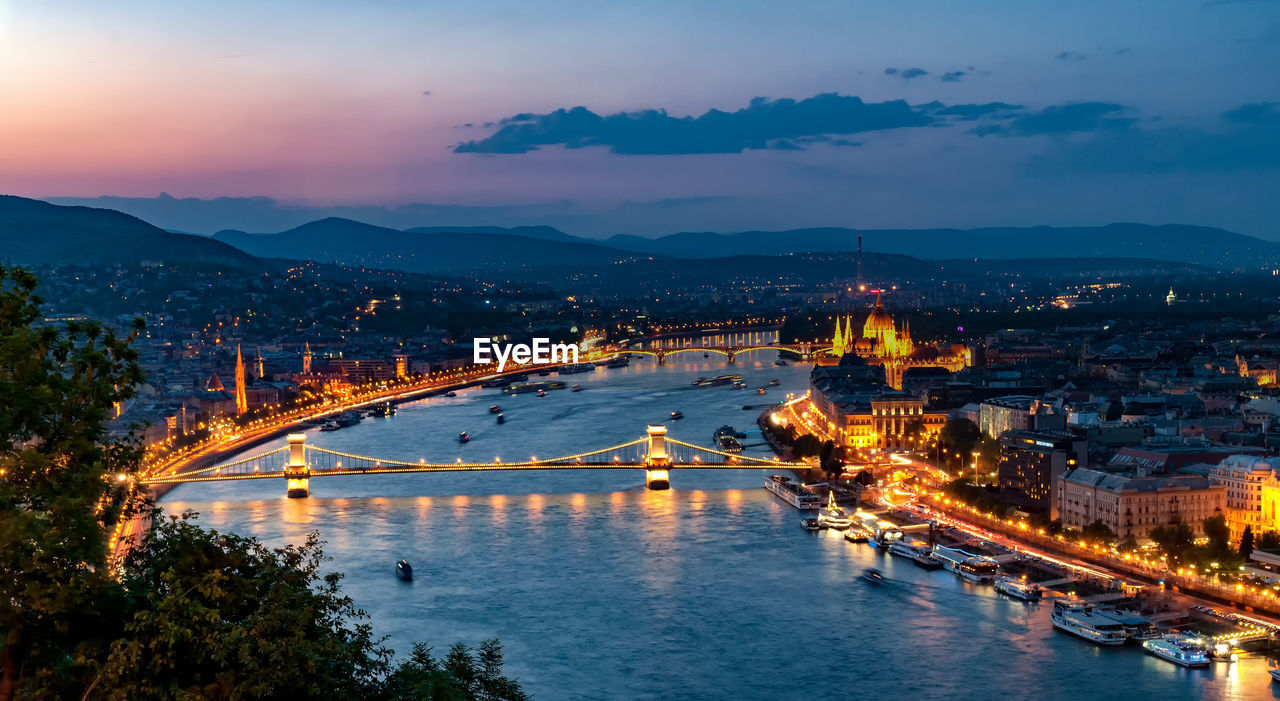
(794, 494)
(1083, 621)
(1180, 651)
(1018, 589)
(925, 559)
(1138, 628)
(883, 533)
(729, 444)
(576, 368)
(383, 410)
(972, 568)
(832, 515)
(329, 426)
(903, 549)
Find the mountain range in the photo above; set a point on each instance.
(37, 232)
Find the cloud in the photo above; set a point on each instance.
(906, 73)
(1070, 56)
(784, 124)
(1254, 113)
(1068, 118)
(952, 77)
(968, 113)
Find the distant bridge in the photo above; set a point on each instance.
(297, 462)
(805, 350)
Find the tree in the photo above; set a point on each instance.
(1129, 544)
(1218, 532)
(1174, 540)
(959, 436)
(829, 460)
(1246, 543)
(220, 615)
(1269, 539)
(63, 486)
(1099, 532)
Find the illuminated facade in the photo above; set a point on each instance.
(883, 343)
(851, 405)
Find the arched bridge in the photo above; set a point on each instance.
(806, 350)
(297, 462)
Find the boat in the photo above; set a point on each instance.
(1018, 589)
(903, 549)
(706, 355)
(781, 363)
(542, 393)
(502, 419)
(464, 437)
(676, 415)
(978, 569)
(618, 362)
(793, 493)
(856, 534)
(717, 381)
(873, 575)
(883, 533)
(531, 387)
(383, 410)
(350, 418)
(810, 523)
(1181, 651)
(762, 390)
(495, 409)
(450, 394)
(1138, 628)
(577, 388)
(774, 382)
(404, 572)
(739, 385)
(574, 368)
(1275, 674)
(1082, 620)
(925, 559)
(729, 444)
(329, 426)
(832, 515)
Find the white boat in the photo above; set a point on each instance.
(329, 426)
(1018, 589)
(1083, 621)
(810, 523)
(832, 516)
(1138, 628)
(978, 569)
(1180, 651)
(902, 549)
(792, 493)
(1275, 674)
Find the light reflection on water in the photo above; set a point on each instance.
(602, 589)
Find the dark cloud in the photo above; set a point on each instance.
(952, 77)
(967, 113)
(764, 123)
(1067, 118)
(1254, 113)
(906, 73)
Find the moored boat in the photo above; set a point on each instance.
(902, 549)
(832, 516)
(856, 534)
(925, 559)
(793, 493)
(810, 523)
(1083, 621)
(329, 426)
(1180, 651)
(1018, 589)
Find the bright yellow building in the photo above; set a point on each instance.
(883, 343)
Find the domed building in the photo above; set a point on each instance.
(883, 343)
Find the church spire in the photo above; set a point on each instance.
(242, 399)
(306, 358)
(878, 303)
(837, 341)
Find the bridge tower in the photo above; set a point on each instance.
(297, 471)
(662, 358)
(732, 356)
(657, 461)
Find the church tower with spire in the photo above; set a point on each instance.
(242, 398)
(306, 359)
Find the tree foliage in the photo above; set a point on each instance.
(1099, 532)
(1174, 540)
(1218, 532)
(1246, 543)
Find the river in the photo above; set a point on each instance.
(601, 589)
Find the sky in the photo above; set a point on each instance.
(647, 117)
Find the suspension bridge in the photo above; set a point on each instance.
(730, 352)
(296, 463)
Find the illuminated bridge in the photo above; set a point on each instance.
(805, 350)
(297, 462)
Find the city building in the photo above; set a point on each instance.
(1133, 505)
(883, 343)
(1252, 492)
(1031, 462)
(851, 404)
(1018, 412)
